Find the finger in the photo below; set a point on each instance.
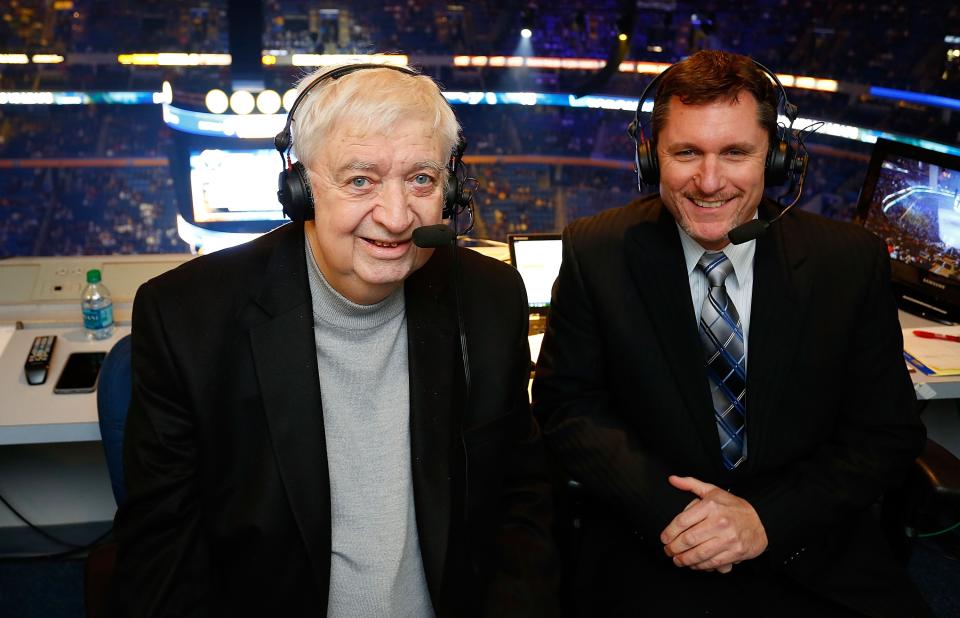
(695, 537)
(690, 516)
(699, 554)
(691, 503)
(721, 561)
(688, 483)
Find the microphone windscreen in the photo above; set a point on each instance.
(748, 231)
(433, 236)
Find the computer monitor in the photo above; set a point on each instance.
(911, 200)
(226, 184)
(234, 185)
(537, 257)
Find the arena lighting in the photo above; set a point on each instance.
(628, 66)
(14, 59)
(165, 95)
(46, 58)
(288, 98)
(268, 59)
(326, 60)
(179, 59)
(261, 126)
(622, 36)
(217, 101)
(268, 102)
(242, 102)
(915, 97)
(253, 126)
(78, 98)
(526, 33)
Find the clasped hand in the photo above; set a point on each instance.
(715, 531)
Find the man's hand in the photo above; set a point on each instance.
(715, 531)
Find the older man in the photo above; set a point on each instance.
(731, 411)
(303, 436)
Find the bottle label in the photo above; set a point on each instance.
(95, 319)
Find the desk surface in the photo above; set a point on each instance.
(930, 387)
(35, 414)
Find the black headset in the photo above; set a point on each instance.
(293, 187)
(782, 158)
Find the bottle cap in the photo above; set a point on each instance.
(93, 276)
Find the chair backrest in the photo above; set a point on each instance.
(113, 399)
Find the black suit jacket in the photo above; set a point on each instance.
(623, 399)
(228, 508)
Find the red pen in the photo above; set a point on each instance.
(928, 335)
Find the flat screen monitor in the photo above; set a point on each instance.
(911, 200)
(537, 257)
(234, 185)
(226, 184)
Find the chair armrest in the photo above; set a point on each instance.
(940, 470)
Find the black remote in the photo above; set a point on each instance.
(38, 360)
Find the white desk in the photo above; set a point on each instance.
(35, 414)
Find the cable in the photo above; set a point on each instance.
(927, 535)
(74, 548)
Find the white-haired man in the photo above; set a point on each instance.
(301, 438)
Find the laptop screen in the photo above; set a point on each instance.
(537, 257)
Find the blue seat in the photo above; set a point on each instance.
(113, 399)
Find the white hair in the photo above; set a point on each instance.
(371, 100)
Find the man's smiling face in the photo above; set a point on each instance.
(712, 160)
(371, 190)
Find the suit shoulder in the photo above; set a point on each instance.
(835, 239)
(487, 269)
(211, 273)
(609, 226)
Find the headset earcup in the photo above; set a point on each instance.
(452, 197)
(648, 168)
(294, 193)
(778, 164)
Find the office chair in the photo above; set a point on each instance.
(926, 503)
(113, 399)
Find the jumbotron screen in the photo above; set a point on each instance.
(914, 205)
(234, 185)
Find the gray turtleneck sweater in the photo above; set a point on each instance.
(375, 563)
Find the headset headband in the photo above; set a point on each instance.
(284, 140)
(789, 109)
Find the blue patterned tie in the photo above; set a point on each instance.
(722, 340)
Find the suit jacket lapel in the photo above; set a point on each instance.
(434, 416)
(655, 261)
(781, 293)
(280, 321)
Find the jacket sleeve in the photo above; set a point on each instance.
(586, 434)
(525, 577)
(162, 564)
(876, 431)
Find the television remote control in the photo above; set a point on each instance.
(38, 360)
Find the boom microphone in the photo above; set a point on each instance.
(748, 231)
(433, 236)
(756, 228)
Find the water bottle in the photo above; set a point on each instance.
(97, 307)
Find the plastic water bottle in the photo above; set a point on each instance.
(97, 307)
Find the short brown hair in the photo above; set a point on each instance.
(709, 76)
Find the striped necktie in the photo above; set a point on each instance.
(722, 339)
